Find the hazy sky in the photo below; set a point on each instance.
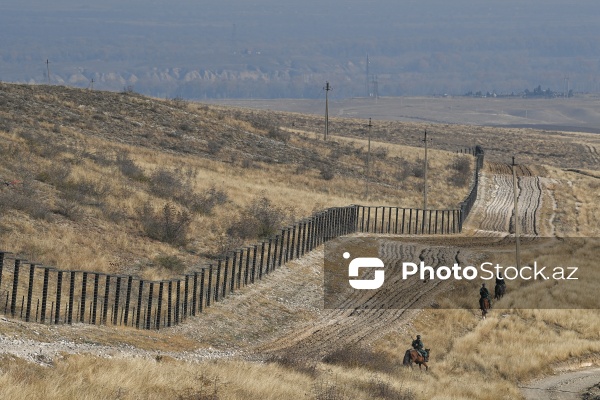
(433, 38)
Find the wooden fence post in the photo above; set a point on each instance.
(15, 288)
(30, 291)
(128, 299)
(106, 298)
(139, 303)
(186, 295)
(218, 280)
(194, 293)
(45, 295)
(177, 301)
(159, 304)
(201, 298)
(225, 276)
(71, 298)
(84, 277)
(149, 308)
(209, 286)
(58, 296)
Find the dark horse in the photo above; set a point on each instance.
(499, 291)
(484, 306)
(413, 356)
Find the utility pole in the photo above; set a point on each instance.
(425, 173)
(92, 84)
(516, 214)
(425, 185)
(369, 158)
(327, 88)
(48, 70)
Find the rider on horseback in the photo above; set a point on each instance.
(485, 294)
(500, 280)
(417, 344)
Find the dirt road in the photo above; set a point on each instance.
(578, 385)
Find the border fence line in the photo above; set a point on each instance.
(33, 292)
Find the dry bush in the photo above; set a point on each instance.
(129, 168)
(25, 198)
(171, 263)
(260, 219)
(69, 209)
(214, 147)
(167, 225)
(87, 191)
(204, 202)
(326, 172)
(418, 168)
(461, 172)
(377, 388)
(358, 357)
(166, 184)
(295, 364)
(326, 390)
(279, 135)
(380, 152)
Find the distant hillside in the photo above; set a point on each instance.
(122, 182)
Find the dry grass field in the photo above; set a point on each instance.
(81, 185)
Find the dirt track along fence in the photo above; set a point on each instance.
(466, 205)
(36, 293)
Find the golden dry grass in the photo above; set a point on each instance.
(470, 359)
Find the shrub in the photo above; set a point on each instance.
(380, 152)
(260, 219)
(167, 225)
(23, 197)
(171, 263)
(279, 135)
(379, 389)
(247, 163)
(84, 191)
(462, 172)
(166, 184)
(326, 172)
(129, 168)
(418, 169)
(214, 147)
(205, 202)
(69, 209)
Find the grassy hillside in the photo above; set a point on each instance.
(124, 183)
(87, 174)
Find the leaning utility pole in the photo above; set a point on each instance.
(327, 88)
(369, 158)
(516, 214)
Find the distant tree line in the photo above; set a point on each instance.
(537, 92)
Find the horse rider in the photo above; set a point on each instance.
(500, 280)
(485, 294)
(417, 344)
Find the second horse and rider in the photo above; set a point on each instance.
(499, 290)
